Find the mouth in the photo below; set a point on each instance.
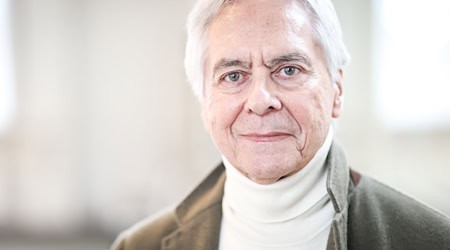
(266, 137)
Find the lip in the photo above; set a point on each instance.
(266, 137)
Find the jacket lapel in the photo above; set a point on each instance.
(199, 216)
(200, 233)
(337, 186)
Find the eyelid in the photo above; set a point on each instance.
(228, 77)
(280, 68)
(226, 74)
(240, 72)
(243, 77)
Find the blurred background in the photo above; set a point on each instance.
(99, 129)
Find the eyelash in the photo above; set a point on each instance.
(227, 75)
(296, 68)
(277, 73)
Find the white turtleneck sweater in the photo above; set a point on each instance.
(292, 213)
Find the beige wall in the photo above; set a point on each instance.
(107, 131)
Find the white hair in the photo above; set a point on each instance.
(325, 27)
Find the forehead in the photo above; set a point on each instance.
(245, 28)
(272, 11)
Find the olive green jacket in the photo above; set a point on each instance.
(369, 215)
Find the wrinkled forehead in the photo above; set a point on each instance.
(267, 27)
(279, 12)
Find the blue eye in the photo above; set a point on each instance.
(289, 71)
(233, 77)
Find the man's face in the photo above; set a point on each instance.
(269, 98)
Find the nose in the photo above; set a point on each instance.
(262, 98)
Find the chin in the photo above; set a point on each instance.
(264, 170)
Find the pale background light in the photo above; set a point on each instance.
(412, 63)
(107, 132)
(7, 95)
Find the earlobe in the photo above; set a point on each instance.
(338, 96)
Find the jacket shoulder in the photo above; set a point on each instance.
(383, 218)
(147, 234)
(150, 233)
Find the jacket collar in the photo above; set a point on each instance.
(338, 188)
(199, 215)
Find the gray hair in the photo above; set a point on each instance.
(325, 27)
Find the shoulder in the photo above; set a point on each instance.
(382, 216)
(148, 233)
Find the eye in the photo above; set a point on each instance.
(290, 75)
(289, 71)
(233, 77)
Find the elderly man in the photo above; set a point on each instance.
(269, 75)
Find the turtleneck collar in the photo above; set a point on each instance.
(261, 213)
(282, 200)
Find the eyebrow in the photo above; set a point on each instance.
(226, 63)
(289, 58)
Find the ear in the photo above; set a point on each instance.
(338, 102)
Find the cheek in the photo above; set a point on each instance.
(309, 110)
(222, 111)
